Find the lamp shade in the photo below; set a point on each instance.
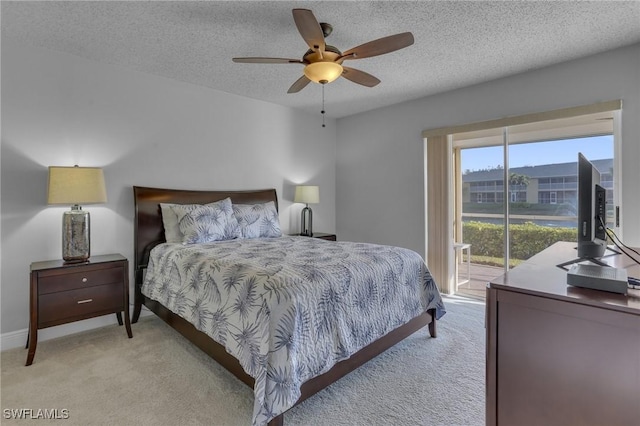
(307, 194)
(323, 72)
(76, 185)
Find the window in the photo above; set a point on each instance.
(445, 192)
(542, 185)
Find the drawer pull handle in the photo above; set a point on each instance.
(85, 301)
(84, 280)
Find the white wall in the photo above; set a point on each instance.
(58, 109)
(380, 154)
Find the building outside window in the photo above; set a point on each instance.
(548, 184)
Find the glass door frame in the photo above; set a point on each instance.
(439, 246)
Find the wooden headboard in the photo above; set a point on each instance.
(148, 227)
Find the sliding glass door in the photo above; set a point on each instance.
(516, 190)
(482, 216)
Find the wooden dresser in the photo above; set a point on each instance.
(561, 355)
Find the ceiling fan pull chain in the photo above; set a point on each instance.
(322, 111)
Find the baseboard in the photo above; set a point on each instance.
(18, 339)
(13, 339)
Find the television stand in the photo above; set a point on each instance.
(595, 260)
(559, 354)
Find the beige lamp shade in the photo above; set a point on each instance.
(323, 72)
(76, 185)
(307, 194)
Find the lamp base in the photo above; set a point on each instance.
(76, 243)
(306, 222)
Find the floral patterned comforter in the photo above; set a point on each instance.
(289, 308)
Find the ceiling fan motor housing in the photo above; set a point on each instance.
(330, 54)
(327, 29)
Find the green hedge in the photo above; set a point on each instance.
(486, 239)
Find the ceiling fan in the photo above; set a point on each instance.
(323, 63)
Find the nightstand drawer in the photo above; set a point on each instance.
(323, 236)
(83, 278)
(85, 302)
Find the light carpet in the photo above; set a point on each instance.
(158, 378)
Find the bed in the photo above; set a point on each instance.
(282, 366)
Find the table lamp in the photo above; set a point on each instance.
(308, 195)
(75, 186)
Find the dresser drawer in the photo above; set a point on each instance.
(55, 308)
(82, 278)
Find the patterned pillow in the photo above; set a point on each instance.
(258, 220)
(207, 223)
(172, 232)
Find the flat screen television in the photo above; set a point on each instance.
(592, 208)
(592, 234)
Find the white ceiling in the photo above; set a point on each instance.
(456, 43)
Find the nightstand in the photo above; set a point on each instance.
(66, 292)
(322, 235)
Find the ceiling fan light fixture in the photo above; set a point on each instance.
(323, 72)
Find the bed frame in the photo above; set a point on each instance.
(149, 232)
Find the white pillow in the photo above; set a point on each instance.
(258, 220)
(170, 221)
(206, 223)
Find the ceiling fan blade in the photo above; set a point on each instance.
(380, 46)
(300, 84)
(309, 29)
(359, 77)
(267, 61)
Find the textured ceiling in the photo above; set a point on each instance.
(456, 43)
